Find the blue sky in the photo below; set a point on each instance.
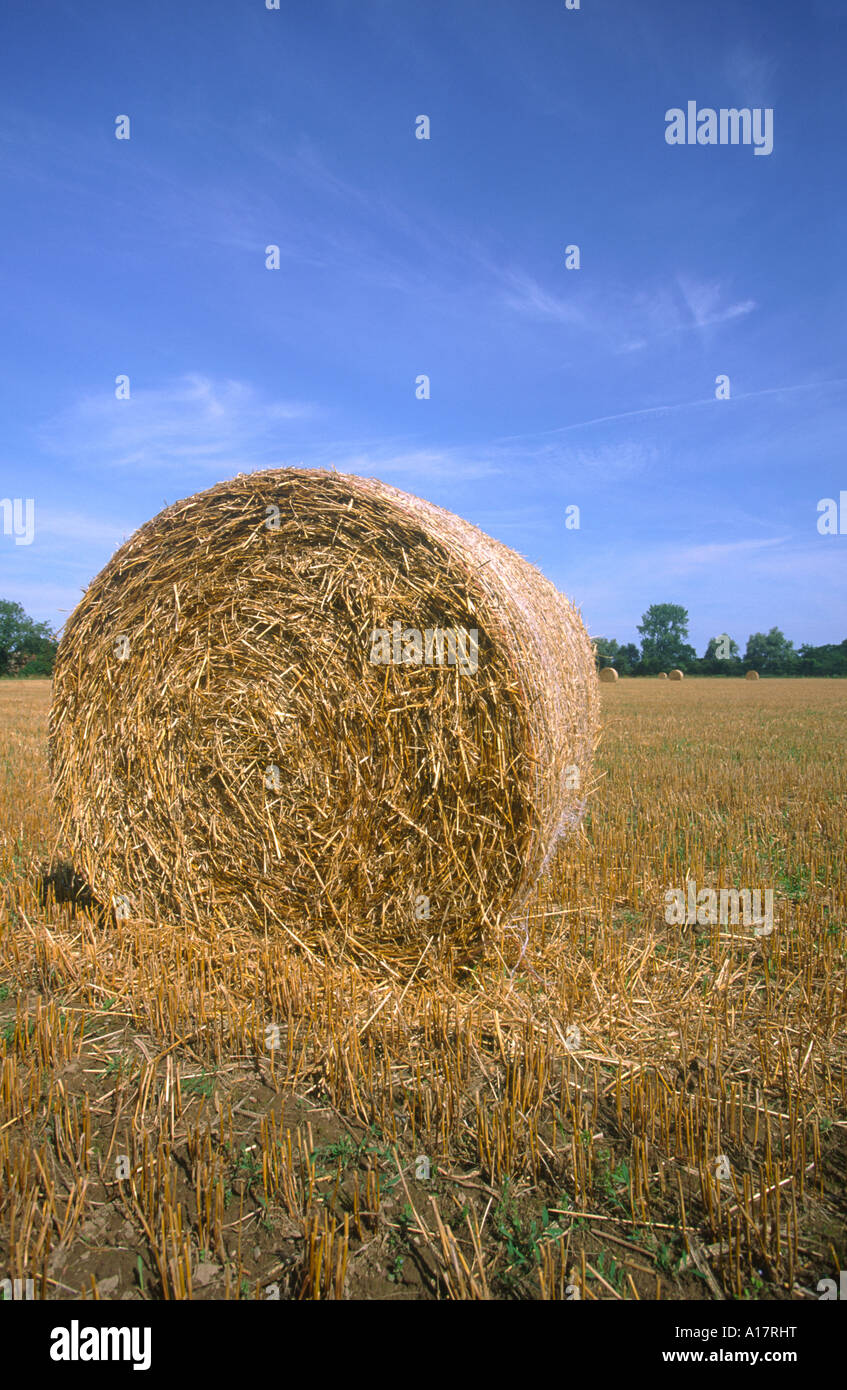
(550, 387)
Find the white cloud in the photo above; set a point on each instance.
(751, 77)
(625, 322)
(74, 526)
(693, 556)
(424, 464)
(523, 294)
(44, 601)
(704, 303)
(191, 422)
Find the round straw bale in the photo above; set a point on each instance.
(675, 675)
(752, 676)
(310, 702)
(663, 675)
(608, 675)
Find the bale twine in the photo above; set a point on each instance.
(663, 675)
(608, 675)
(752, 676)
(675, 675)
(260, 716)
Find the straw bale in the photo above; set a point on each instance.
(676, 675)
(752, 676)
(608, 675)
(663, 675)
(225, 748)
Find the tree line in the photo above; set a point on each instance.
(665, 646)
(27, 648)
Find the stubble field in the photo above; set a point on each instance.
(611, 1108)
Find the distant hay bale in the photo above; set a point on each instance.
(676, 675)
(608, 675)
(663, 675)
(312, 703)
(752, 676)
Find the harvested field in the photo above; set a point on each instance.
(618, 1106)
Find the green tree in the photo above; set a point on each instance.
(664, 639)
(605, 651)
(629, 659)
(23, 641)
(771, 654)
(828, 660)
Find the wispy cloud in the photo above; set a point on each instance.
(622, 320)
(525, 520)
(554, 461)
(751, 76)
(44, 601)
(523, 294)
(690, 557)
(420, 465)
(684, 305)
(76, 526)
(706, 303)
(681, 406)
(193, 422)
